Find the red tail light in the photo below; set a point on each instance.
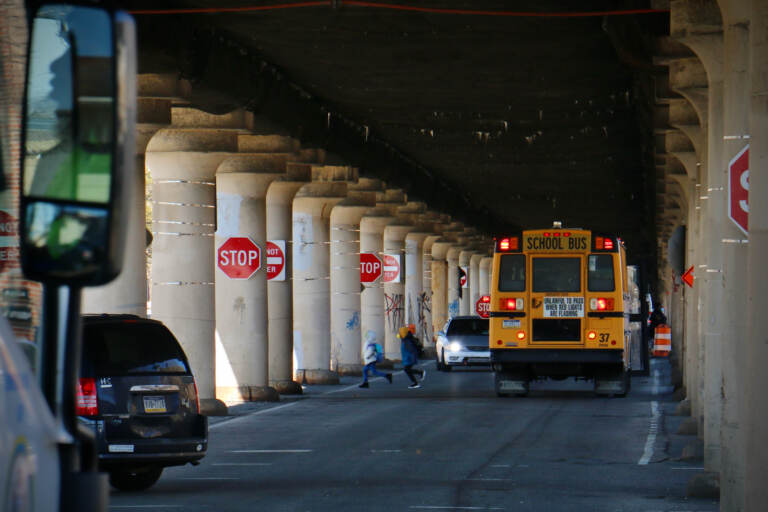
(197, 396)
(509, 244)
(602, 304)
(511, 304)
(608, 244)
(603, 244)
(86, 401)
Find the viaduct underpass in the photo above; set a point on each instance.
(348, 128)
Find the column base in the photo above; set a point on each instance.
(213, 407)
(704, 485)
(689, 427)
(683, 408)
(350, 369)
(317, 376)
(287, 387)
(693, 451)
(247, 394)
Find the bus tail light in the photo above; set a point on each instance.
(591, 335)
(520, 335)
(86, 401)
(601, 304)
(511, 304)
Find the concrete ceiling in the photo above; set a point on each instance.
(504, 122)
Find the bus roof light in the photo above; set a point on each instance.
(511, 243)
(608, 244)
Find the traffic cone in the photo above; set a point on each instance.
(662, 341)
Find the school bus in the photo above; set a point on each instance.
(559, 308)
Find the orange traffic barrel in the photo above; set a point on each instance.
(662, 341)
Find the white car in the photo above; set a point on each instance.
(463, 342)
(29, 453)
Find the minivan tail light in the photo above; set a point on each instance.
(86, 401)
(197, 395)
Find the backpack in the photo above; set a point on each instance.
(379, 352)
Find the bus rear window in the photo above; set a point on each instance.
(556, 274)
(512, 273)
(600, 273)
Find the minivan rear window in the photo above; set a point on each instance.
(468, 326)
(131, 348)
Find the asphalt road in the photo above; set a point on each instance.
(451, 445)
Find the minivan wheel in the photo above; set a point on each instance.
(134, 479)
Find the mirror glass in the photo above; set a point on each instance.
(70, 106)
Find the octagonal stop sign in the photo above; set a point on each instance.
(483, 306)
(238, 257)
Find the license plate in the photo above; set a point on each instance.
(510, 324)
(154, 404)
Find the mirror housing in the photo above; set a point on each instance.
(78, 144)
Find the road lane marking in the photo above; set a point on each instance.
(146, 506)
(220, 478)
(439, 507)
(263, 411)
(271, 451)
(242, 464)
(501, 466)
(653, 430)
(386, 451)
(488, 480)
(689, 469)
(353, 386)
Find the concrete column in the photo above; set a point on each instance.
(452, 280)
(279, 205)
(439, 285)
(127, 294)
(183, 162)
(345, 276)
(736, 107)
(394, 292)
(474, 280)
(427, 327)
(311, 271)
(756, 406)
(415, 291)
(693, 341)
(485, 275)
(372, 328)
(241, 304)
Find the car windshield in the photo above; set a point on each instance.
(128, 348)
(468, 326)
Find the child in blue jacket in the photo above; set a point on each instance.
(410, 353)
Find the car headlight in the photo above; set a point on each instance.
(455, 346)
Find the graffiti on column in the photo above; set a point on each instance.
(425, 317)
(394, 310)
(453, 308)
(353, 322)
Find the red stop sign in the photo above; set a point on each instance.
(483, 306)
(238, 257)
(738, 189)
(370, 267)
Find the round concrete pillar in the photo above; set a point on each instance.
(415, 292)
(439, 285)
(345, 276)
(241, 303)
(394, 291)
(279, 205)
(485, 275)
(428, 331)
(474, 280)
(311, 275)
(466, 306)
(182, 163)
(372, 327)
(452, 280)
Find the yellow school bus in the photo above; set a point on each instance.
(559, 309)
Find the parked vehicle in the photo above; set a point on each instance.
(463, 342)
(138, 395)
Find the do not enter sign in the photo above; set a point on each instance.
(483, 306)
(238, 257)
(275, 260)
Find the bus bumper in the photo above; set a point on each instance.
(555, 355)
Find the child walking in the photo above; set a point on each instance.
(410, 353)
(372, 355)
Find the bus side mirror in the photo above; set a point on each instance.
(78, 146)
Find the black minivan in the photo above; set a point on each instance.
(138, 395)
